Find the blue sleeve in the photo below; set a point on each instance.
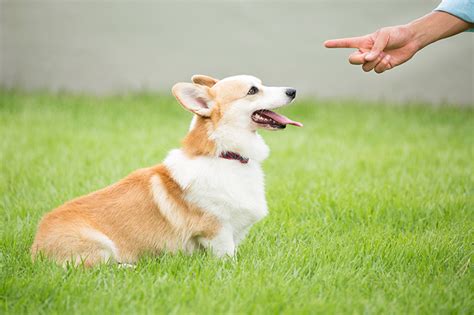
(463, 9)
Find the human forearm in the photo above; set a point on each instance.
(435, 26)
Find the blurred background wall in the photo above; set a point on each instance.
(118, 46)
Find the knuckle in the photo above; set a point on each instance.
(384, 30)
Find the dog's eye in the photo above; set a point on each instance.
(253, 90)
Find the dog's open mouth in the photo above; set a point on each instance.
(267, 119)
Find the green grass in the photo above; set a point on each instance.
(371, 210)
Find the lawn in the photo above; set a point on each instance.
(371, 210)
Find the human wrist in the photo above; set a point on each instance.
(420, 32)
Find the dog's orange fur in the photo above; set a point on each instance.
(197, 141)
(229, 91)
(126, 213)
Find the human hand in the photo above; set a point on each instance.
(391, 46)
(381, 50)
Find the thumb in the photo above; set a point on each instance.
(380, 42)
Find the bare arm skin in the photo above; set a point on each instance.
(392, 46)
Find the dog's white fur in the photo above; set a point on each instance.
(231, 191)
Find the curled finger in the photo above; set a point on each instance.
(357, 58)
(370, 65)
(381, 40)
(383, 65)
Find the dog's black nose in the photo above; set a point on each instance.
(291, 93)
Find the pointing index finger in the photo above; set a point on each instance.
(350, 42)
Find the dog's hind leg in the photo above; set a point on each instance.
(96, 248)
(75, 245)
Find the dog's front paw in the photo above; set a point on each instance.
(221, 245)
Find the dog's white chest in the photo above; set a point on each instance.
(232, 191)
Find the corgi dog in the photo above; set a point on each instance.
(207, 194)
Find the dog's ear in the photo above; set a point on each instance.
(204, 80)
(195, 98)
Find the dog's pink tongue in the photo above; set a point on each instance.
(282, 119)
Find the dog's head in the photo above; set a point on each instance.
(239, 100)
(236, 104)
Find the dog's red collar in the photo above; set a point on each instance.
(234, 156)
